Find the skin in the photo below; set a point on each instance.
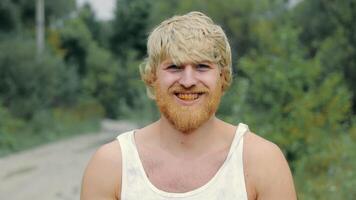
(199, 153)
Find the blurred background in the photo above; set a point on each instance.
(67, 65)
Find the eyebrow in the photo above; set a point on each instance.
(170, 62)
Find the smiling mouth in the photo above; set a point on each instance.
(188, 96)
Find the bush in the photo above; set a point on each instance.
(40, 98)
(28, 84)
(47, 125)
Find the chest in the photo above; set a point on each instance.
(183, 174)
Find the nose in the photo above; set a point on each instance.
(188, 78)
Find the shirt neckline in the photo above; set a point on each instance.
(237, 137)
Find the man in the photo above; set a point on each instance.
(188, 153)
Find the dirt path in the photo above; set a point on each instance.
(53, 171)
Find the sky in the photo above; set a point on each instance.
(103, 8)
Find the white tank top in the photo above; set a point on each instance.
(227, 184)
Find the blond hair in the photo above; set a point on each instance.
(191, 37)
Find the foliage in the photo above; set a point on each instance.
(28, 84)
(47, 125)
(130, 28)
(100, 31)
(19, 15)
(329, 33)
(75, 39)
(102, 80)
(39, 96)
(301, 106)
(9, 16)
(102, 76)
(294, 69)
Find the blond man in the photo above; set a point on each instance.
(188, 153)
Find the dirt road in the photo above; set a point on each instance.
(53, 171)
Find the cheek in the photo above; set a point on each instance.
(212, 81)
(166, 80)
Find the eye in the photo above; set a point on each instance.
(173, 67)
(202, 67)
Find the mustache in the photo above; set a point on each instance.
(194, 89)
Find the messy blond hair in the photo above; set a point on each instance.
(191, 37)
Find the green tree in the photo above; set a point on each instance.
(328, 32)
(102, 80)
(9, 16)
(75, 39)
(100, 30)
(54, 10)
(130, 28)
(108, 79)
(42, 99)
(292, 101)
(28, 85)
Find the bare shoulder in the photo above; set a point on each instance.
(102, 177)
(259, 149)
(267, 172)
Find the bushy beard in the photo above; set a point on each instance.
(186, 119)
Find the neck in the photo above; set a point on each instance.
(195, 141)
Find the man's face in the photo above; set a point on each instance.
(188, 94)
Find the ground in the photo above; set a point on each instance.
(53, 171)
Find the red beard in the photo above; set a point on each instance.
(186, 119)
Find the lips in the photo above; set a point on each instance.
(188, 96)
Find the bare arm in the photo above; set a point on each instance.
(278, 181)
(102, 177)
(271, 177)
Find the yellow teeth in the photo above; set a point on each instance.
(188, 97)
